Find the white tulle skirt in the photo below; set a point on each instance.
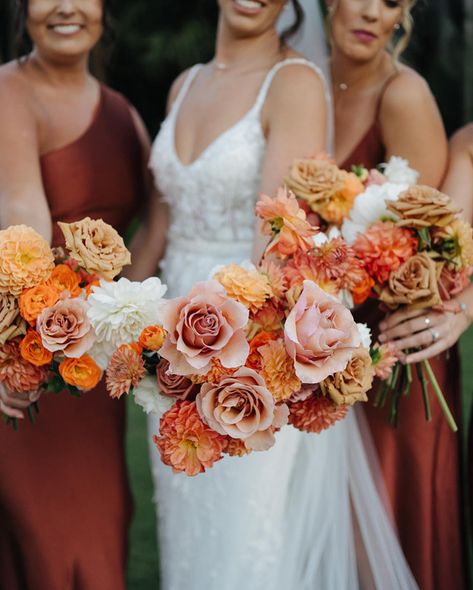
(305, 515)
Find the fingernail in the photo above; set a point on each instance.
(382, 338)
(382, 326)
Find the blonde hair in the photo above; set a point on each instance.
(407, 25)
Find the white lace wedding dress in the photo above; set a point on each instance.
(278, 520)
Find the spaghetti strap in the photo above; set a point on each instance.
(275, 69)
(185, 87)
(382, 93)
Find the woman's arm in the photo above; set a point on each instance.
(458, 183)
(22, 196)
(412, 128)
(295, 121)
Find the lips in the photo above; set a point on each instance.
(66, 29)
(249, 6)
(364, 36)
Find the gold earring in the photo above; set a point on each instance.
(397, 26)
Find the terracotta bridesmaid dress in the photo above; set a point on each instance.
(65, 504)
(419, 460)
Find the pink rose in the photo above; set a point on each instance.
(65, 328)
(204, 325)
(320, 335)
(176, 386)
(241, 407)
(452, 282)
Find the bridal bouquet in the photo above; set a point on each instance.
(418, 254)
(253, 348)
(46, 336)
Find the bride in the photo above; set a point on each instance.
(305, 514)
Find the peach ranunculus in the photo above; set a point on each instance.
(241, 406)
(35, 300)
(423, 206)
(315, 413)
(185, 442)
(96, 246)
(65, 328)
(278, 370)
(82, 372)
(320, 335)
(152, 337)
(11, 322)
(413, 284)
(286, 222)
(17, 374)
(33, 351)
(351, 385)
(26, 259)
(249, 287)
(328, 190)
(383, 248)
(176, 386)
(204, 325)
(63, 278)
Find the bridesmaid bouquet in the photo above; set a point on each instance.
(253, 348)
(46, 336)
(418, 254)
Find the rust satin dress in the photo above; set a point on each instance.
(65, 504)
(419, 460)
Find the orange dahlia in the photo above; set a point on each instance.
(26, 259)
(17, 374)
(254, 359)
(249, 287)
(276, 279)
(278, 370)
(125, 370)
(215, 375)
(185, 442)
(236, 447)
(315, 414)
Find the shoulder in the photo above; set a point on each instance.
(406, 91)
(17, 106)
(176, 88)
(462, 140)
(297, 82)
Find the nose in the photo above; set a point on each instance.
(66, 7)
(371, 10)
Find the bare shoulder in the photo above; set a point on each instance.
(176, 88)
(407, 90)
(16, 98)
(296, 83)
(13, 83)
(462, 140)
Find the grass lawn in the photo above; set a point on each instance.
(143, 566)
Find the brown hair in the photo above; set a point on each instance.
(294, 28)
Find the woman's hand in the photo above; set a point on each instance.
(12, 404)
(432, 330)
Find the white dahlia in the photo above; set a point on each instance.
(398, 171)
(147, 396)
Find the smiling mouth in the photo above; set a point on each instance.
(250, 5)
(66, 29)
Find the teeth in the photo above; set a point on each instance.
(66, 29)
(251, 4)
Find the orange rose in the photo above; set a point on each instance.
(34, 301)
(63, 278)
(33, 351)
(362, 289)
(83, 373)
(152, 337)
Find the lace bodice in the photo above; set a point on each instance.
(212, 199)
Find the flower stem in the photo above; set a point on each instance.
(440, 397)
(425, 391)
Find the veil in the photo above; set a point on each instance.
(312, 42)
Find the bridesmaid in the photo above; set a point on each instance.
(383, 108)
(69, 147)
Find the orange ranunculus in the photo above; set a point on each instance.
(254, 360)
(362, 289)
(33, 301)
(152, 337)
(83, 373)
(33, 351)
(63, 278)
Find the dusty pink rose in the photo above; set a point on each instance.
(176, 386)
(320, 335)
(452, 282)
(65, 328)
(204, 325)
(241, 407)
